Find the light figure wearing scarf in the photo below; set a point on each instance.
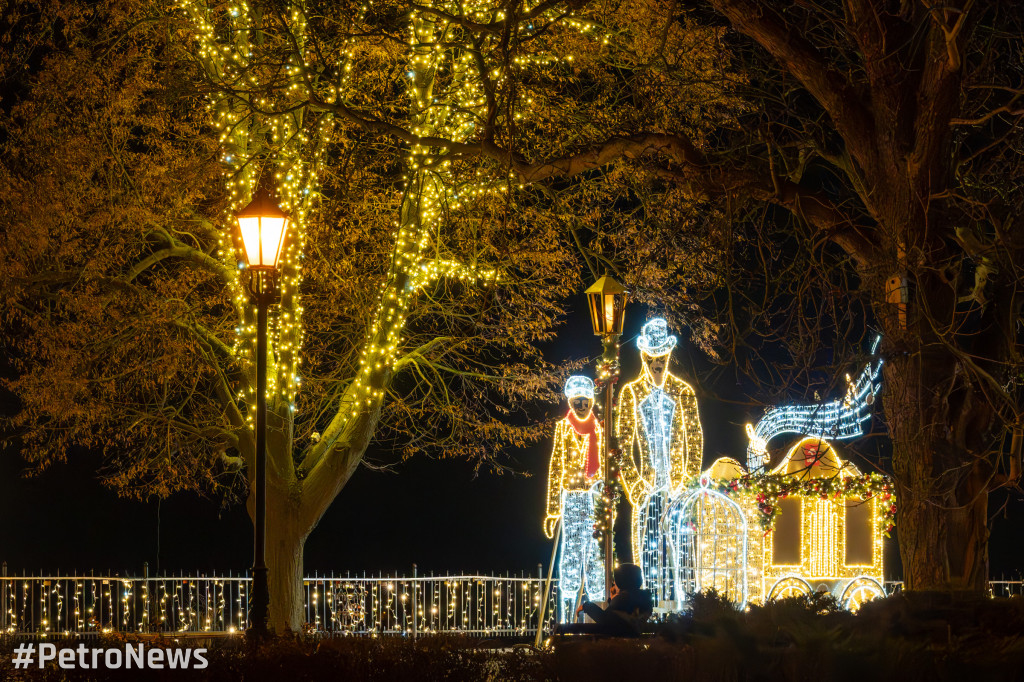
(574, 485)
(659, 432)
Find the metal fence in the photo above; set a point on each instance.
(335, 605)
(477, 605)
(996, 588)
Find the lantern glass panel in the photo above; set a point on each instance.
(272, 230)
(609, 312)
(597, 317)
(250, 228)
(262, 239)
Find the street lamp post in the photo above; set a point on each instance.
(606, 299)
(263, 226)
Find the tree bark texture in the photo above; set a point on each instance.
(942, 485)
(286, 540)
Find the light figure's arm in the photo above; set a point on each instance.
(556, 472)
(694, 435)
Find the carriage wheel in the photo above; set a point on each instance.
(789, 587)
(859, 592)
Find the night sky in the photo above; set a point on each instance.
(437, 514)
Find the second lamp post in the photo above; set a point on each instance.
(607, 302)
(263, 226)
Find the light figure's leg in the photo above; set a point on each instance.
(594, 563)
(670, 528)
(666, 559)
(570, 565)
(655, 546)
(647, 557)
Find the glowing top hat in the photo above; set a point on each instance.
(654, 339)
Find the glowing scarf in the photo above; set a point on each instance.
(587, 427)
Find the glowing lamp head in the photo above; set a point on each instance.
(607, 302)
(263, 226)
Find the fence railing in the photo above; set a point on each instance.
(476, 605)
(996, 588)
(335, 605)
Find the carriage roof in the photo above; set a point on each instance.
(814, 457)
(810, 457)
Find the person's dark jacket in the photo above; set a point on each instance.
(634, 603)
(625, 616)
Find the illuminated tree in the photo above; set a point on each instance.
(298, 91)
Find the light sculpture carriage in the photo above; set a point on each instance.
(813, 523)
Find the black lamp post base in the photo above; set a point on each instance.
(259, 602)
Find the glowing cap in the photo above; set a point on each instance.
(577, 386)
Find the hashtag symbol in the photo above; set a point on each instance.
(23, 655)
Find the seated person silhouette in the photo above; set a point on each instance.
(627, 612)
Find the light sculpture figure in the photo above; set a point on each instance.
(662, 444)
(836, 420)
(574, 484)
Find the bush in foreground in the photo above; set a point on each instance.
(904, 638)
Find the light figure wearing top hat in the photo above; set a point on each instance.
(658, 429)
(574, 484)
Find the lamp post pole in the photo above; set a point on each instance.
(263, 288)
(262, 227)
(606, 300)
(609, 374)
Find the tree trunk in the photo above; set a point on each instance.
(938, 424)
(286, 540)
